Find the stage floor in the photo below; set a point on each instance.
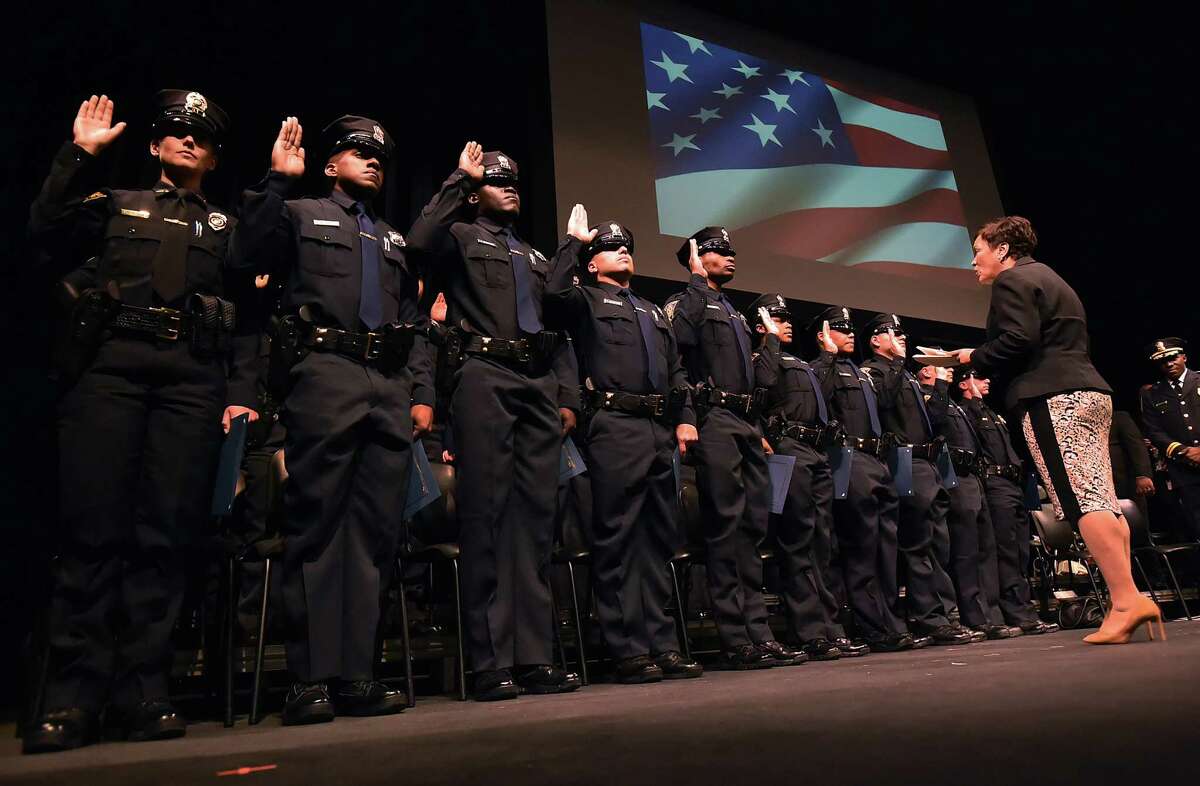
(1031, 710)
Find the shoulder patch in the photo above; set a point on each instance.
(95, 196)
(670, 308)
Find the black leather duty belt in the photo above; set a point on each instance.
(160, 323)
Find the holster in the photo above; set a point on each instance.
(88, 314)
(212, 329)
(448, 342)
(286, 351)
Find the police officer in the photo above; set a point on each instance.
(355, 399)
(972, 541)
(798, 424)
(909, 421)
(140, 427)
(731, 467)
(636, 388)
(515, 396)
(1000, 468)
(1171, 415)
(865, 521)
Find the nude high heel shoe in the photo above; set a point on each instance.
(1143, 610)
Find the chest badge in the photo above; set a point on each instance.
(217, 221)
(396, 239)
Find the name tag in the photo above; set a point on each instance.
(613, 302)
(323, 223)
(175, 221)
(485, 242)
(135, 213)
(714, 308)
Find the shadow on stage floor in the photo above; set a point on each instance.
(1033, 710)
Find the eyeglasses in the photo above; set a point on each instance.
(612, 244)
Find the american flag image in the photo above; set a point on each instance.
(805, 166)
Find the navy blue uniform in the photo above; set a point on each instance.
(1171, 416)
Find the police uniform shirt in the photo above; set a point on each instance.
(958, 428)
(705, 329)
(842, 382)
(315, 244)
(790, 392)
(73, 220)
(899, 407)
(610, 343)
(994, 441)
(1171, 413)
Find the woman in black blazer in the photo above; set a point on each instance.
(1037, 337)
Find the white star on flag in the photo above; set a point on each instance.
(824, 133)
(727, 91)
(780, 100)
(679, 143)
(695, 44)
(674, 70)
(655, 100)
(794, 76)
(707, 114)
(765, 131)
(745, 70)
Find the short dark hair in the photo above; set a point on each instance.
(1014, 230)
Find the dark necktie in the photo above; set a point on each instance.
(962, 414)
(169, 270)
(920, 394)
(743, 342)
(822, 412)
(869, 394)
(370, 305)
(647, 328)
(527, 316)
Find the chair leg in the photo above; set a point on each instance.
(256, 691)
(583, 674)
(1137, 563)
(459, 631)
(230, 635)
(555, 629)
(1095, 585)
(685, 646)
(1175, 583)
(404, 637)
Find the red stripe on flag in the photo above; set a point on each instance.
(884, 101)
(812, 234)
(876, 148)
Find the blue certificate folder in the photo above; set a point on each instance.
(422, 486)
(570, 461)
(780, 468)
(232, 450)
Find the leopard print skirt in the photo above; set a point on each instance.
(1067, 435)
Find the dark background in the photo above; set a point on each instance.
(1086, 113)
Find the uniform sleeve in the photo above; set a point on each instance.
(430, 233)
(67, 219)
(566, 369)
(1156, 427)
(247, 370)
(264, 239)
(686, 312)
(420, 363)
(1016, 317)
(766, 363)
(937, 403)
(887, 378)
(678, 378)
(565, 302)
(824, 366)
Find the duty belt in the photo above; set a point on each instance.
(520, 350)
(1008, 471)
(928, 451)
(869, 445)
(747, 405)
(365, 347)
(808, 433)
(965, 462)
(654, 405)
(163, 323)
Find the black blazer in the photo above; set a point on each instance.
(1036, 335)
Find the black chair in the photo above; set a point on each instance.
(692, 553)
(570, 556)
(1141, 543)
(1059, 539)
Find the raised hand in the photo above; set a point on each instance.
(826, 340)
(898, 344)
(694, 263)
(470, 160)
(287, 157)
(93, 129)
(577, 225)
(768, 323)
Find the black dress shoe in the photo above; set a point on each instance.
(994, 632)
(154, 719)
(61, 730)
(637, 670)
(368, 697)
(976, 633)
(781, 655)
(897, 643)
(744, 658)
(675, 667)
(1035, 628)
(921, 642)
(547, 679)
(495, 685)
(851, 649)
(821, 649)
(949, 636)
(307, 703)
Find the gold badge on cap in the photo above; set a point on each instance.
(503, 162)
(846, 314)
(217, 221)
(615, 230)
(377, 132)
(725, 234)
(195, 103)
